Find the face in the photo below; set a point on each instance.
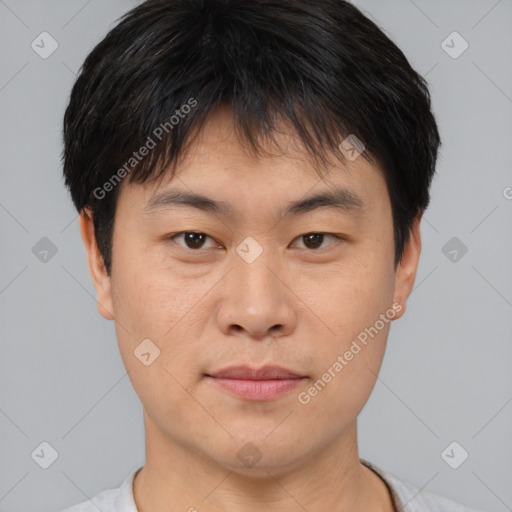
(256, 275)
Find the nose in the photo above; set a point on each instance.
(256, 300)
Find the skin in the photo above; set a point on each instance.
(296, 306)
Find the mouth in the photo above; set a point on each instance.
(258, 384)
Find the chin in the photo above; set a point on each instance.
(257, 456)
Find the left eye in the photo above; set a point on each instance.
(314, 240)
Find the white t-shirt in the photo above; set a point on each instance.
(407, 498)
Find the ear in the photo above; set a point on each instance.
(406, 271)
(100, 278)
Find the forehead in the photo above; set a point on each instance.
(218, 165)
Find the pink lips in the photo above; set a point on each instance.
(263, 383)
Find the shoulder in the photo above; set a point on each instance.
(119, 499)
(104, 501)
(409, 498)
(417, 500)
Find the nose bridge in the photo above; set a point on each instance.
(256, 300)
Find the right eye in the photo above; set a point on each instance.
(193, 240)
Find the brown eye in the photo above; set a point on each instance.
(314, 240)
(192, 239)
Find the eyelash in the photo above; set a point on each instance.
(172, 237)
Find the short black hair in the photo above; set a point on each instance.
(322, 66)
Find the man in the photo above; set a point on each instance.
(251, 177)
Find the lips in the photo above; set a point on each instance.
(256, 384)
(269, 372)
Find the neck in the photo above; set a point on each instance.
(181, 478)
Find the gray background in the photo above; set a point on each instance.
(446, 375)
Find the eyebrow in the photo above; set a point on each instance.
(341, 199)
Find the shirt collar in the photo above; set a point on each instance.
(402, 493)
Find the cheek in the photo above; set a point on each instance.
(354, 308)
(156, 305)
(347, 372)
(151, 305)
(149, 297)
(351, 295)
